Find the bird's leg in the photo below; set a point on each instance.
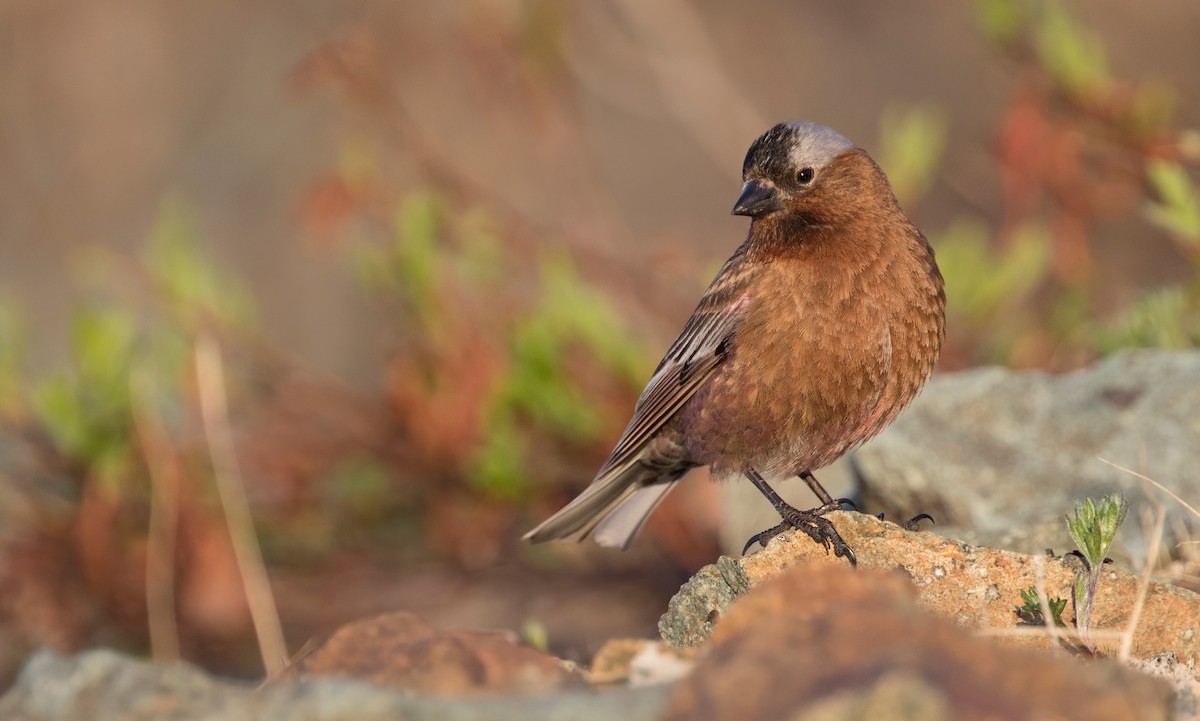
(816, 487)
(811, 522)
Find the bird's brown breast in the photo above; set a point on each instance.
(830, 349)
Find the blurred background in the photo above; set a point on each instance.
(308, 310)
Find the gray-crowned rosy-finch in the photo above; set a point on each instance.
(819, 330)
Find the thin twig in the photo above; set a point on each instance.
(1052, 629)
(1136, 615)
(309, 646)
(1154, 483)
(164, 519)
(210, 379)
(1065, 634)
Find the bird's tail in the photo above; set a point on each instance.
(612, 510)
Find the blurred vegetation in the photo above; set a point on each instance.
(108, 428)
(451, 284)
(87, 408)
(1079, 149)
(512, 366)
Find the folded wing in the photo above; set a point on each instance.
(646, 462)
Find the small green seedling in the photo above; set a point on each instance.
(1031, 611)
(1093, 527)
(535, 634)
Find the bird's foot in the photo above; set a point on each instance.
(813, 523)
(914, 523)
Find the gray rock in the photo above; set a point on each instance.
(998, 457)
(693, 610)
(105, 686)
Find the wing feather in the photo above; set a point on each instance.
(701, 347)
(638, 472)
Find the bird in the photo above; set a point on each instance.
(818, 331)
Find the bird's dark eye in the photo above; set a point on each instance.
(805, 176)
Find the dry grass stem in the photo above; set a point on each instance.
(1064, 634)
(1154, 483)
(1135, 615)
(1051, 628)
(210, 379)
(164, 471)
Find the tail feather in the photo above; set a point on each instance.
(612, 510)
(624, 523)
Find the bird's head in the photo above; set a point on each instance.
(802, 170)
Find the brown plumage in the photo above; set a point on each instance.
(821, 328)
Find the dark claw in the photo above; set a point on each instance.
(756, 538)
(843, 502)
(750, 543)
(912, 524)
(763, 537)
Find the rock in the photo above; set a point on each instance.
(639, 662)
(824, 642)
(105, 686)
(692, 611)
(977, 588)
(1000, 457)
(1182, 678)
(400, 650)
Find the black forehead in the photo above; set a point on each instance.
(776, 153)
(770, 154)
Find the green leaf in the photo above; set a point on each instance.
(1000, 20)
(982, 280)
(1031, 609)
(1178, 212)
(191, 285)
(913, 140)
(418, 256)
(1161, 318)
(58, 408)
(102, 342)
(497, 468)
(535, 634)
(1074, 57)
(1094, 527)
(1057, 606)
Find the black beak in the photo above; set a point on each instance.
(758, 197)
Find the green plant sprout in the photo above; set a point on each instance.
(1031, 611)
(1093, 528)
(534, 633)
